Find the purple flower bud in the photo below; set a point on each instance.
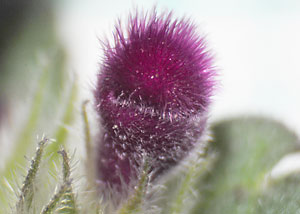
(152, 94)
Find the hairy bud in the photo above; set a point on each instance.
(152, 94)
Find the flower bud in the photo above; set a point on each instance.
(152, 95)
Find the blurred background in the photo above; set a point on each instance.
(50, 53)
(47, 46)
(256, 44)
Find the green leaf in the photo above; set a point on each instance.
(134, 203)
(27, 191)
(182, 199)
(63, 202)
(25, 139)
(67, 120)
(34, 60)
(281, 197)
(248, 149)
(51, 206)
(67, 202)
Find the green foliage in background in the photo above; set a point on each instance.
(229, 173)
(248, 149)
(230, 176)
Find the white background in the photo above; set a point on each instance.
(256, 43)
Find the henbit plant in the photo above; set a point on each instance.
(231, 176)
(228, 172)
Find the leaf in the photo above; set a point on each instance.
(283, 196)
(134, 203)
(63, 202)
(25, 140)
(182, 199)
(68, 118)
(51, 206)
(248, 148)
(27, 191)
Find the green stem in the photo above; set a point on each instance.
(89, 163)
(196, 168)
(134, 203)
(27, 191)
(24, 140)
(62, 132)
(50, 207)
(67, 203)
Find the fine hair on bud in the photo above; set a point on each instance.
(153, 91)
